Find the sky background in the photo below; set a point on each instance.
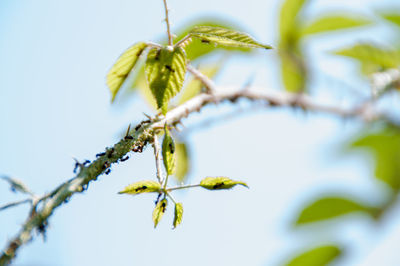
(55, 106)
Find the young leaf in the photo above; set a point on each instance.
(384, 145)
(294, 72)
(289, 22)
(121, 69)
(226, 37)
(372, 57)
(333, 22)
(215, 183)
(393, 17)
(195, 48)
(178, 214)
(141, 187)
(168, 152)
(165, 73)
(159, 211)
(330, 207)
(321, 255)
(182, 161)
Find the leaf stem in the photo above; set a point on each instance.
(181, 41)
(182, 187)
(156, 146)
(170, 38)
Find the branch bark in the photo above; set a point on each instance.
(40, 213)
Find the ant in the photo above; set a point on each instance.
(158, 198)
(123, 159)
(108, 171)
(128, 137)
(100, 154)
(170, 68)
(205, 41)
(218, 185)
(110, 153)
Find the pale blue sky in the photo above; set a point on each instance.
(55, 106)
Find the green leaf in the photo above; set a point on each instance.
(165, 73)
(331, 22)
(194, 86)
(121, 69)
(178, 214)
(142, 187)
(183, 162)
(140, 83)
(159, 211)
(319, 256)
(391, 17)
(196, 49)
(168, 152)
(215, 183)
(293, 71)
(289, 22)
(226, 37)
(384, 145)
(330, 207)
(372, 57)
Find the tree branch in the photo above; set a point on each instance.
(40, 213)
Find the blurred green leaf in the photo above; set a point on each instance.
(293, 72)
(182, 161)
(159, 211)
(391, 16)
(121, 69)
(330, 207)
(168, 152)
(142, 187)
(226, 37)
(319, 256)
(289, 22)
(165, 73)
(372, 57)
(384, 145)
(196, 48)
(216, 183)
(140, 83)
(194, 86)
(332, 22)
(178, 214)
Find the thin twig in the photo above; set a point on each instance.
(157, 155)
(208, 83)
(170, 37)
(15, 203)
(182, 187)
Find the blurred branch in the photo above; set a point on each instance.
(15, 203)
(40, 213)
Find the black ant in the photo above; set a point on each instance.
(157, 57)
(171, 148)
(163, 207)
(105, 165)
(100, 154)
(78, 164)
(110, 153)
(141, 188)
(170, 68)
(205, 41)
(128, 137)
(158, 198)
(123, 159)
(218, 185)
(137, 127)
(108, 171)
